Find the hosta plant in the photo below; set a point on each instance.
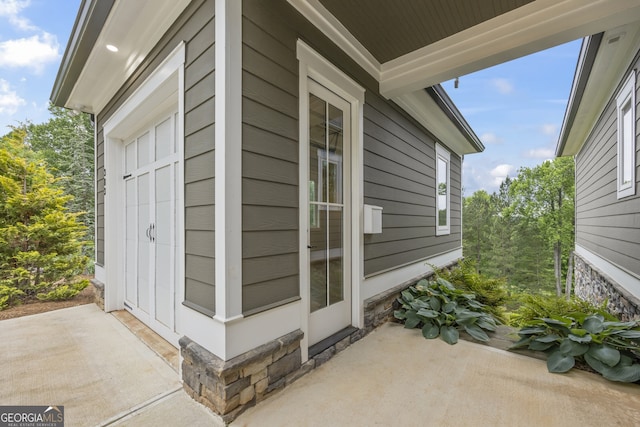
(439, 309)
(609, 347)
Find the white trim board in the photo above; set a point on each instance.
(623, 278)
(382, 282)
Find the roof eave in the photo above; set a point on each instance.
(91, 18)
(445, 103)
(584, 66)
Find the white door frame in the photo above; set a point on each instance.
(161, 92)
(312, 65)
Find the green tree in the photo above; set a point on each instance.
(478, 216)
(41, 242)
(66, 143)
(544, 195)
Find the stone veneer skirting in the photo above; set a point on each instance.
(595, 286)
(98, 287)
(230, 387)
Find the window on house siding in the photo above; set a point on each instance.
(443, 192)
(626, 106)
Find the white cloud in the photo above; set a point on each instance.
(500, 172)
(540, 153)
(549, 129)
(504, 86)
(491, 138)
(10, 101)
(11, 9)
(34, 52)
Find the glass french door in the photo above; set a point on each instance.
(329, 212)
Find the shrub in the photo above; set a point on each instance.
(489, 291)
(8, 296)
(63, 292)
(442, 310)
(609, 347)
(548, 306)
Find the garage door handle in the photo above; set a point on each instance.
(153, 232)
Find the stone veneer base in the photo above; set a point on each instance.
(98, 287)
(595, 286)
(230, 387)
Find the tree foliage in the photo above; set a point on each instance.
(41, 242)
(524, 231)
(66, 143)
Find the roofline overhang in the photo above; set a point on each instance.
(86, 29)
(446, 104)
(584, 66)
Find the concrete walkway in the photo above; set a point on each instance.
(95, 367)
(394, 377)
(92, 364)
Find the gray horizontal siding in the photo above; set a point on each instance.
(606, 226)
(196, 27)
(99, 177)
(399, 175)
(399, 162)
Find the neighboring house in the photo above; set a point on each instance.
(270, 174)
(600, 129)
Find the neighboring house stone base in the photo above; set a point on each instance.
(98, 287)
(594, 286)
(231, 387)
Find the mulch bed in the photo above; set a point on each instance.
(36, 306)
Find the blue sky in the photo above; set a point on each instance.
(515, 108)
(33, 35)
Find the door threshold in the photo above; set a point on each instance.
(160, 346)
(321, 346)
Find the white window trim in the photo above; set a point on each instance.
(626, 95)
(442, 153)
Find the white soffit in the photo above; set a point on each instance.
(536, 26)
(617, 49)
(421, 106)
(134, 27)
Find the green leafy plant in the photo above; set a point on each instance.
(609, 347)
(442, 310)
(489, 291)
(548, 306)
(63, 292)
(8, 296)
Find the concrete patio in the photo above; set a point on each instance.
(103, 374)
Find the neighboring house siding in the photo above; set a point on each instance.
(270, 162)
(606, 226)
(196, 27)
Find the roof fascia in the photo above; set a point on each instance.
(586, 60)
(445, 103)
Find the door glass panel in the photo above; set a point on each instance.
(334, 155)
(317, 143)
(336, 277)
(162, 234)
(326, 211)
(143, 150)
(164, 143)
(130, 239)
(318, 258)
(143, 242)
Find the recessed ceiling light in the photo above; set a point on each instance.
(112, 48)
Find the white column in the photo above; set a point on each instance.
(228, 163)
